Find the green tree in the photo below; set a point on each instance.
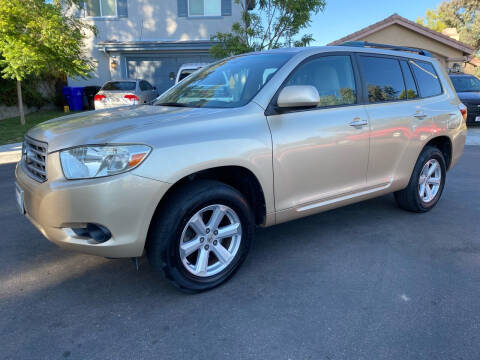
(38, 38)
(432, 21)
(272, 24)
(464, 15)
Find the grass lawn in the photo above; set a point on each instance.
(12, 132)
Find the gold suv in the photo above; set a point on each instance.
(257, 139)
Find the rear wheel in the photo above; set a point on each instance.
(426, 184)
(201, 236)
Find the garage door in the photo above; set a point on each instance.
(158, 70)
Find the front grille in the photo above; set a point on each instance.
(34, 159)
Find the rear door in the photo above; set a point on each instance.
(394, 112)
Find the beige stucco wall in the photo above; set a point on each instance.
(399, 35)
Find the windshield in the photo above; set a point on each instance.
(228, 83)
(466, 83)
(120, 85)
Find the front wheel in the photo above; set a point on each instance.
(426, 184)
(201, 235)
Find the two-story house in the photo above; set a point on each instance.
(151, 39)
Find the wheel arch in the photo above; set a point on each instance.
(444, 144)
(238, 177)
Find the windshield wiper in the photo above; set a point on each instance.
(172, 104)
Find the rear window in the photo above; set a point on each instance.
(120, 85)
(383, 78)
(427, 78)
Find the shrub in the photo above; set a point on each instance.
(31, 96)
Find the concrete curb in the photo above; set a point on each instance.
(10, 153)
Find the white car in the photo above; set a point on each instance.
(124, 93)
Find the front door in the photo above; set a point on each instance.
(321, 154)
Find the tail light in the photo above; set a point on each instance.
(133, 98)
(463, 110)
(99, 97)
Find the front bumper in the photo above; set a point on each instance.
(124, 204)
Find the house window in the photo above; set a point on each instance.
(204, 7)
(101, 8)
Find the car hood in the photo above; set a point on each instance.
(117, 124)
(470, 96)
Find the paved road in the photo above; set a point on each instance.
(368, 281)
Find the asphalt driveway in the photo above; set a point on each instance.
(368, 281)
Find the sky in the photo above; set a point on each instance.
(342, 17)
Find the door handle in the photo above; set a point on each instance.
(420, 115)
(358, 122)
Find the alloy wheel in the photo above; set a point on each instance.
(210, 240)
(430, 180)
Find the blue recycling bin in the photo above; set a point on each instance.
(76, 99)
(67, 95)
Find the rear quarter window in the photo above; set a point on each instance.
(145, 86)
(427, 78)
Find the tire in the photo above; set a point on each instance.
(409, 198)
(176, 224)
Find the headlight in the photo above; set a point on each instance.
(96, 161)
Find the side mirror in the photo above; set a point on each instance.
(298, 96)
(154, 88)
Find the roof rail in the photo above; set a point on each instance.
(387, 47)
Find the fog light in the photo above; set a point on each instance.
(96, 232)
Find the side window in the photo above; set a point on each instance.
(145, 86)
(412, 92)
(331, 75)
(148, 86)
(383, 78)
(427, 78)
(184, 74)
